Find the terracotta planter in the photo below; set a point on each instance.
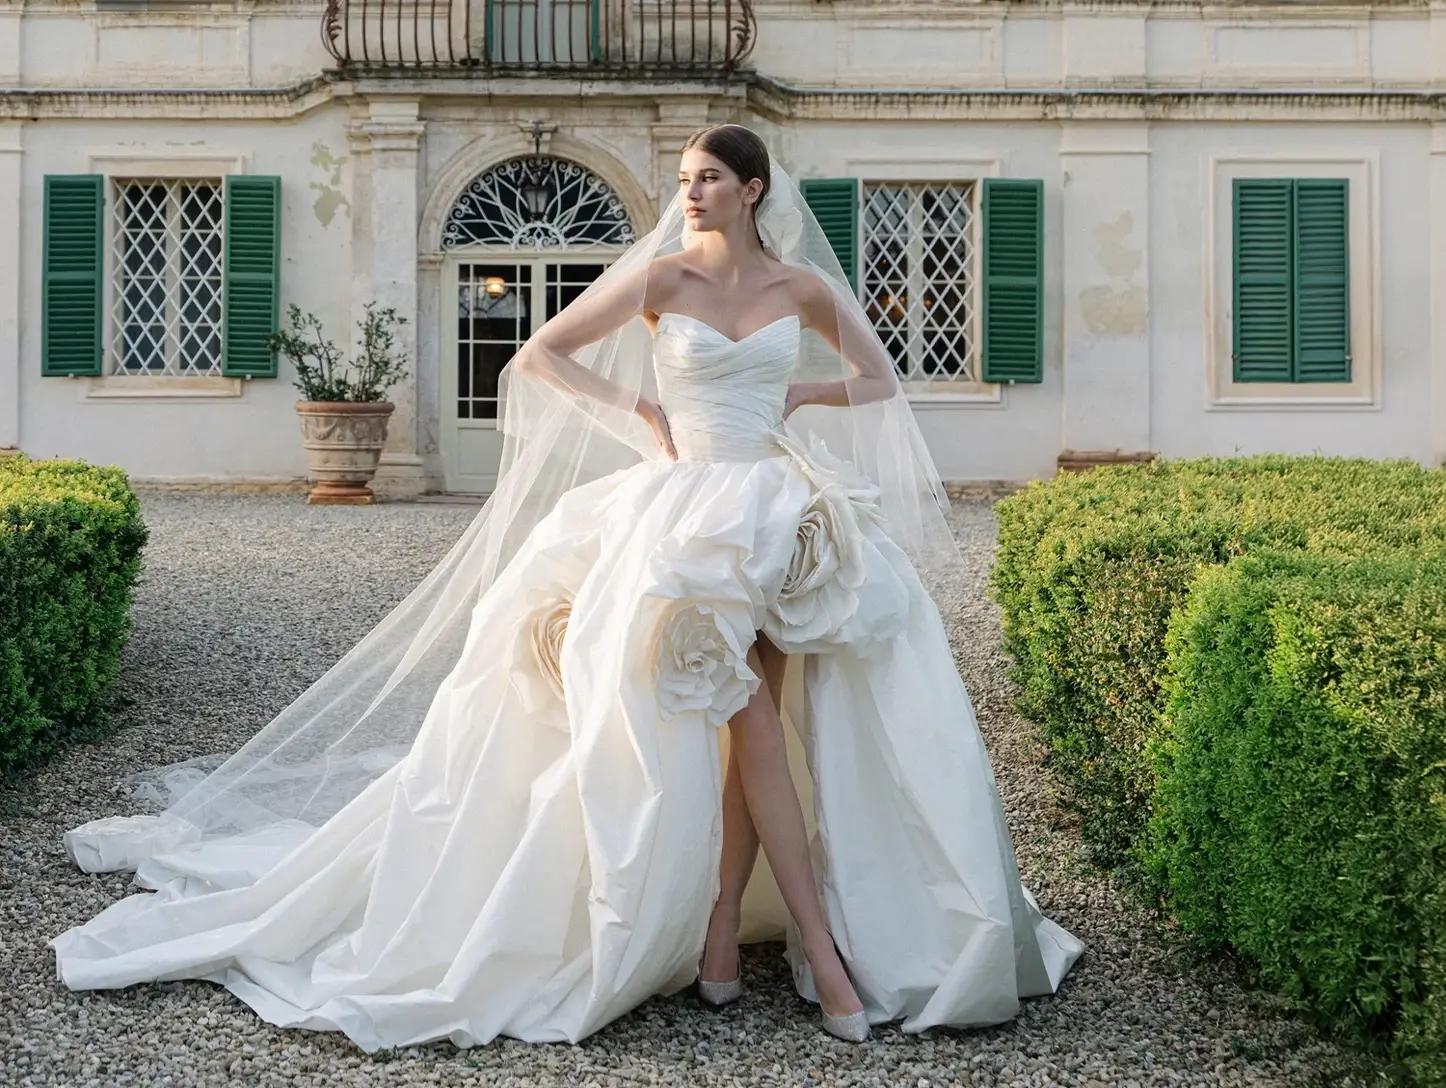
(343, 442)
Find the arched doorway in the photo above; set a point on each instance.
(523, 239)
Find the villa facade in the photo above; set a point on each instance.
(1085, 230)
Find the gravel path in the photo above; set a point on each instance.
(239, 610)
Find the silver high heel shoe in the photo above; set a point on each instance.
(719, 993)
(852, 1027)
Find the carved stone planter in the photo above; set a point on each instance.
(343, 442)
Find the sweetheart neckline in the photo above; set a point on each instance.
(710, 328)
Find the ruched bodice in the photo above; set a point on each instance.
(723, 398)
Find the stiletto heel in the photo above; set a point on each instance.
(719, 993)
(852, 1027)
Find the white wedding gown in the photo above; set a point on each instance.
(546, 855)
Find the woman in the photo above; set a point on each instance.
(513, 808)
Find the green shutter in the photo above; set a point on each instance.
(835, 204)
(1322, 271)
(70, 279)
(1013, 303)
(1262, 347)
(252, 274)
(1291, 280)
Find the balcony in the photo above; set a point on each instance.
(573, 37)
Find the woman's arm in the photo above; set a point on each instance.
(873, 377)
(547, 355)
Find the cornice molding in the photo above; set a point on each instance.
(782, 101)
(765, 95)
(33, 104)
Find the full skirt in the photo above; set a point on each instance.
(545, 857)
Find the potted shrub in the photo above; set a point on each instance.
(343, 414)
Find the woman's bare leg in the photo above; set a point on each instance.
(740, 849)
(740, 844)
(756, 734)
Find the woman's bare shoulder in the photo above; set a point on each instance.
(665, 275)
(812, 297)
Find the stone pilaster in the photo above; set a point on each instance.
(676, 122)
(1437, 190)
(1105, 285)
(386, 144)
(11, 256)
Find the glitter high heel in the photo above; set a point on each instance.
(719, 993)
(852, 1027)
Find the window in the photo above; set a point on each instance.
(1292, 290)
(1292, 320)
(950, 272)
(166, 276)
(921, 275)
(148, 281)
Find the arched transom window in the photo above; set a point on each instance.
(538, 202)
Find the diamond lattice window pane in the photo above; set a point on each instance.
(919, 276)
(167, 267)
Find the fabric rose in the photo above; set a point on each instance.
(700, 663)
(821, 468)
(537, 661)
(835, 570)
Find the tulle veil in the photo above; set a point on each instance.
(562, 425)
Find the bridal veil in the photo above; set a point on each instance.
(562, 427)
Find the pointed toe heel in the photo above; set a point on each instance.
(853, 1027)
(720, 993)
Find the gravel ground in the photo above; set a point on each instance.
(239, 610)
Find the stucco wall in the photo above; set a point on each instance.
(1134, 115)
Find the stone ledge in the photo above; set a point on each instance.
(982, 489)
(219, 486)
(1080, 460)
(766, 95)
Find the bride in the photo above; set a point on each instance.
(513, 807)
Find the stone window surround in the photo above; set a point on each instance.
(131, 163)
(1363, 391)
(870, 168)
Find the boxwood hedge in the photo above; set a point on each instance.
(1300, 813)
(1091, 565)
(71, 536)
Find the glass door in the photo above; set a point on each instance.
(500, 302)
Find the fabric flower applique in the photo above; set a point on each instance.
(700, 662)
(536, 670)
(839, 587)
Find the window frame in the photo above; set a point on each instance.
(974, 187)
(1363, 391)
(114, 165)
(886, 169)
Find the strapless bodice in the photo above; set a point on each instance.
(723, 398)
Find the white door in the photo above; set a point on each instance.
(501, 300)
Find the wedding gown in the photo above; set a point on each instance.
(546, 855)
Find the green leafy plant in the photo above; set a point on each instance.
(71, 538)
(322, 374)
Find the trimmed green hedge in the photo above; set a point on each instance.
(71, 536)
(1091, 565)
(1301, 809)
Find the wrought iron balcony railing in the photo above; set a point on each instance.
(576, 36)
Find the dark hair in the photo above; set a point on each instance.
(737, 147)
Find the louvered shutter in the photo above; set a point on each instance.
(1013, 273)
(835, 204)
(1263, 341)
(252, 274)
(70, 280)
(1322, 271)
